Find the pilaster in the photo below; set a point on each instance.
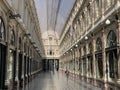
(94, 60)
(104, 58)
(118, 44)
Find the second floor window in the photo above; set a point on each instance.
(2, 29)
(12, 40)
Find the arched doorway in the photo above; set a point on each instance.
(111, 56)
(98, 56)
(20, 61)
(2, 53)
(90, 60)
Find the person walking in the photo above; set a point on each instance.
(67, 74)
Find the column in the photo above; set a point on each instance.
(88, 73)
(8, 55)
(23, 64)
(104, 58)
(94, 60)
(17, 57)
(82, 63)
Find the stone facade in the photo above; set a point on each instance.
(89, 43)
(21, 47)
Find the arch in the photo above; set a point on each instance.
(111, 39)
(98, 44)
(2, 29)
(12, 39)
(99, 62)
(112, 61)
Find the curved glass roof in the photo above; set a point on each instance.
(53, 14)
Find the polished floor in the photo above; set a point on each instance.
(57, 81)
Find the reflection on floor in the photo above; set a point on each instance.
(57, 81)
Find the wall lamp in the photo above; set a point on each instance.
(107, 22)
(13, 16)
(86, 37)
(76, 45)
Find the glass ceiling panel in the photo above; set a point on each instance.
(63, 13)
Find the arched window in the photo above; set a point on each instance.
(98, 44)
(80, 51)
(2, 29)
(84, 50)
(50, 38)
(83, 21)
(97, 4)
(12, 40)
(89, 14)
(78, 27)
(90, 60)
(99, 62)
(111, 39)
(112, 62)
(109, 2)
(50, 52)
(24, 47)
(20, 43)
(90, 47)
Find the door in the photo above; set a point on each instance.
(2, 65)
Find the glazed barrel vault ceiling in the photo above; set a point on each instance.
(53, 14)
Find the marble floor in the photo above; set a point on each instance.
(57, 81)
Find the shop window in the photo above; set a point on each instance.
(84, 66)
(12, 41)
(2, 29)
(112, 62)
(111, 39)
